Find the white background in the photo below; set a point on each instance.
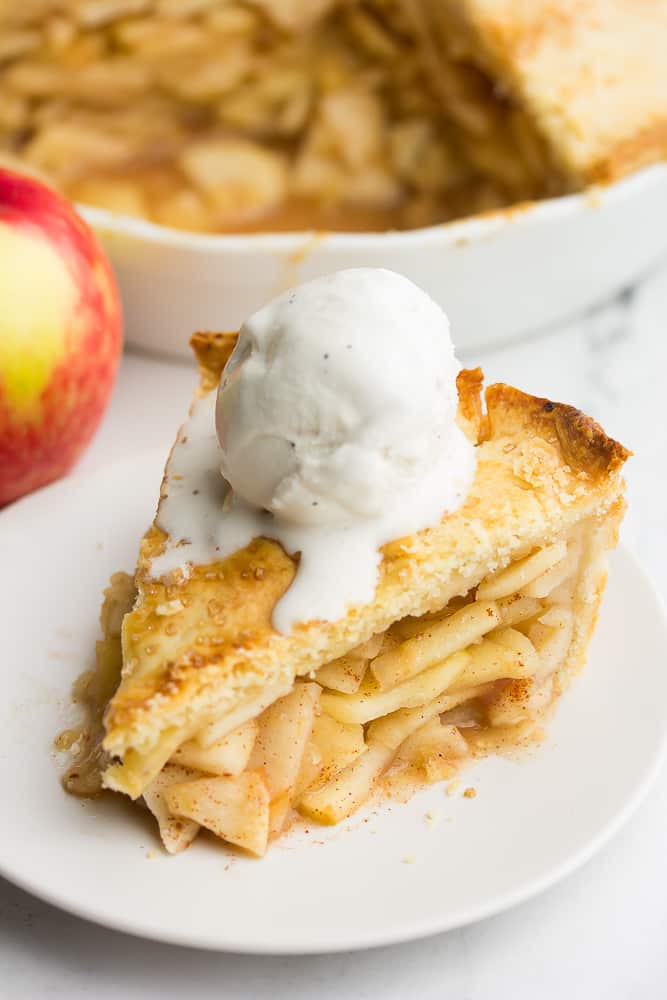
(600, 934)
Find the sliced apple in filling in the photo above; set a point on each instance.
(284, 731)
(474, 678)
(236, 809)
(176, 831)
(229, 755)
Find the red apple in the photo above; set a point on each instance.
(60, 334)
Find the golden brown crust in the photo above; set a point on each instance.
(590, 76)
(645, 146)
(233, 601)
(582, 443)
(212, 351)
(469, 382)
(194, 648)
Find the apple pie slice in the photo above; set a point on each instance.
(476, 627)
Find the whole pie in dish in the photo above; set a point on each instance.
(477, 625)
(244, 115)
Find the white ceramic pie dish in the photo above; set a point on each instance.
(497, 275)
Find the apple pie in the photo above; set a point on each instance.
(211, 717)
(244, 115)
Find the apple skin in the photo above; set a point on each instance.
(60, 335)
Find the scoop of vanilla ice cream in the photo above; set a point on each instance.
(339, 396)
(340, 393)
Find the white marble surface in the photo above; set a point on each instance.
(599, 934)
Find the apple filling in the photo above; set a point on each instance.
(409, 707)
(224, 115)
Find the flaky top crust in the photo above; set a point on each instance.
(541, 467)
(591, 74)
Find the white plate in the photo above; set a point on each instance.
(531, 823)
(496, 275)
